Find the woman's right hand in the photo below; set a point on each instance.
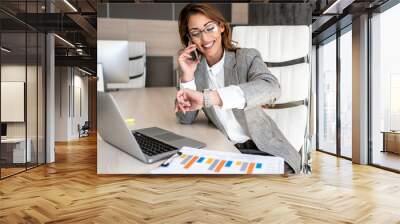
(187, 65)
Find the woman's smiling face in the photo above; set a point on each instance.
(209, 42)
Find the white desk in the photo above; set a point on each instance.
(18, 149)
(154, 107)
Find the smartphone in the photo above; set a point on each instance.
(194, 54)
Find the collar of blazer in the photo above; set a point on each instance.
(230, 78)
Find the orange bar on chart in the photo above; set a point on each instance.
(209, 160)
(189, 164)
(220, 165)
(250, 168)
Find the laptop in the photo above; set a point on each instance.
(147, 145)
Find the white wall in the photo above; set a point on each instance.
(69, 85)
(79, 117)
(12, 99)
(62, 81)
(143, 30)
(16, 73)
(34, 124)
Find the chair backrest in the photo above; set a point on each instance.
(86, 125)
(137, 62)
(285, 50)
(137, 67)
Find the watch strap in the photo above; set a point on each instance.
(206, 98)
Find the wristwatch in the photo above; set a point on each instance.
(206, 98)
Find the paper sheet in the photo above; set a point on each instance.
(201, 161)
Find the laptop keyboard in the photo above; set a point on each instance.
(151, 146)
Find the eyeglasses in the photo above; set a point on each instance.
(212, 27)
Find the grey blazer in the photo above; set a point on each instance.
(246, 69)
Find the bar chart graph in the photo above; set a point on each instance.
(216, 165)
(200, 161)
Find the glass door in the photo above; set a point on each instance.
(326, 122)
(14, 154)
(346, 92)
(22, 77)
(385, 89)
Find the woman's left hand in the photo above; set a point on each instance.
(189, 100)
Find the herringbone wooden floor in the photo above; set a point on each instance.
(70, 191)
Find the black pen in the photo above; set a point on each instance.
(168, 161)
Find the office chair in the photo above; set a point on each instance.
(286, 51)
(137, 67)
(84, 130)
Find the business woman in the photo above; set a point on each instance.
(229, 84)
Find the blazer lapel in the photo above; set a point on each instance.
(230, 76)
(201, 75)
(201, 81)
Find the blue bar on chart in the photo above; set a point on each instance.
(228, 164)
(244, 167)
(200, 159)
(259, 165)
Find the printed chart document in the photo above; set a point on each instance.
(201, 161)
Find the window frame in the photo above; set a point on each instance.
(334, 37)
